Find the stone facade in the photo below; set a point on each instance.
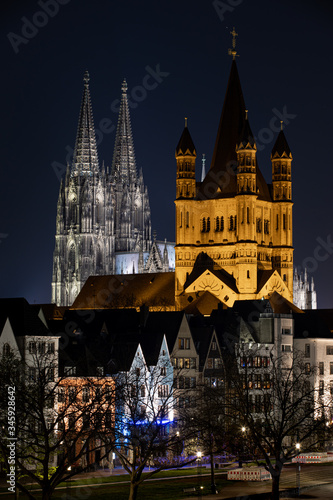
(103, 224)
(233, 219)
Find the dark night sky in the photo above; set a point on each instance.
(285, 63)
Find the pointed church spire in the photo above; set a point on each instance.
(123, 164)
(281, 147)
(85, 159)
(203, 169)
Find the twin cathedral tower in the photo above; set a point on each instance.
(233, 230)
(103, 221)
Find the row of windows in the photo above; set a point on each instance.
(257, 381)
(259, 225)
(219, 224)
(260, 403)
(184, 343)
(307, 350)
(322, 387)
(284, 221)
(41, 347)
(255, 361)
(184, 363)
(84, 393)
(186, 383)
(48, 373)
(322, 369)
(186, 402)
(214, 363)
(97, 420)
(214, 382)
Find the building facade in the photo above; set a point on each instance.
(233, 230)
(103, 221)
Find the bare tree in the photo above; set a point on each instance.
(145, 432)
(275, 400)
(60, 422)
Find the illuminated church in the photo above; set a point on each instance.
(103, 223)
(233, 230)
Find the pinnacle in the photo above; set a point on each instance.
(123, 164)
(86, 77)
(85, 153)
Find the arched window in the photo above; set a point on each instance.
(232, 222)
(187, 219)
(208, 225)
(219, 223)
(203, 224)
(248, 215)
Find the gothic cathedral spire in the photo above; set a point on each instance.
(85, 159)
(132, 224)
(123, 164)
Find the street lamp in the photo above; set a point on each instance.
(298, 470)
(199, 456)
(241, 448)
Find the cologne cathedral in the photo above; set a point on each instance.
(103, 224)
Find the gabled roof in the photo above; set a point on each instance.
(281, 146)
(224, 159)
(246, 138)
(204, 262)
(185, 146)
(23, 318)
(204, 304)
(128, 291)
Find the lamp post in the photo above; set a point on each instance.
(241, 448)
(199, 456)
(298, 470)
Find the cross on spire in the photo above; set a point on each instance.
(233, 52)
